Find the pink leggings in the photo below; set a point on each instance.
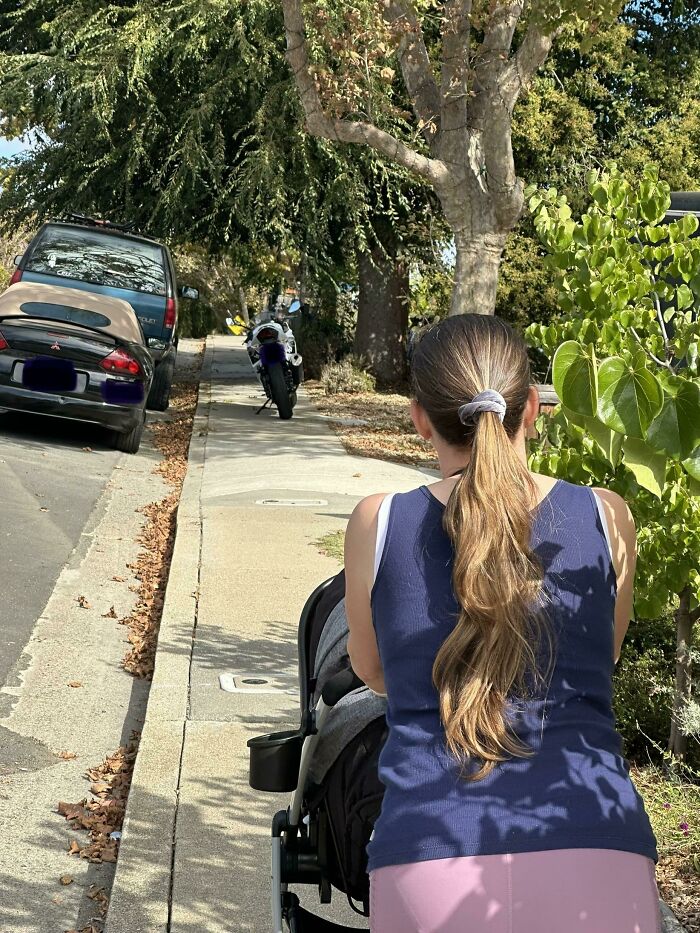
(563, 891)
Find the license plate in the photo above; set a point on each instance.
(45, 374)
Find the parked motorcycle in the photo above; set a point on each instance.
(273, 354)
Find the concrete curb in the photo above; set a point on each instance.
(141, 894)
(670, 922)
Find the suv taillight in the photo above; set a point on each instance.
(3, 343)
(120, 362)
(16, 277)
(170, 312)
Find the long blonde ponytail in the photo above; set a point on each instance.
(494, 653)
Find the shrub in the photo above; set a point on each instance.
(643, 700)
(197, 319)
(346, 376)
(644, 684)
(321, 339)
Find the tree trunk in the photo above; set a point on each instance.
(678, 743)
(243, 301)
(476, 272)
(382, 316)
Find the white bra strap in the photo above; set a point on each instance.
(603, 520)
(382, 527)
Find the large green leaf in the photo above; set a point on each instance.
(610, 442)
(676, 430)
(575, 377)
(692, 464)
(630, 396)
(648, 466)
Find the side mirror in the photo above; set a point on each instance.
(18, 259)
(187, 292)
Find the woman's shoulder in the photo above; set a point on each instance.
(617, 513)
(364, 515)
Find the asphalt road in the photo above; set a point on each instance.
(49, 487)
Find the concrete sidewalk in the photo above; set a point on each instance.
(259, 492)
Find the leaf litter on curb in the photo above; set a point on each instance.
(151, 569)
(102, 814)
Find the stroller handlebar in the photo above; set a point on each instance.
(339, 686)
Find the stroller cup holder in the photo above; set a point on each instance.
(274, 761)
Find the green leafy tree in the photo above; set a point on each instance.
(625, 362)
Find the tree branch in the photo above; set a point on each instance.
(664, 363)
(416, 68)
(695, 616)
(456, 26)
(522, 66)
(347, 131)
(499, 32)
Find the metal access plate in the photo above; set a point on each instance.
(257, 682)
(294, 503)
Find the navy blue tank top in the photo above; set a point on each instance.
(575, 790)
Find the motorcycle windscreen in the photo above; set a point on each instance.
(272, 353)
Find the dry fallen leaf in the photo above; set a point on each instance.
(109, 615)
(74, 848)
(66, 879)
(43, 509)
(87, 450)
(119, 579)
(83, 603)
(67, 756)
(75, 683)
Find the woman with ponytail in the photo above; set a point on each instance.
(490, 608)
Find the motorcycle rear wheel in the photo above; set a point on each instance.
(280, 392)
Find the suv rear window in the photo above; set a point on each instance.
(42, 309)
(98, 258)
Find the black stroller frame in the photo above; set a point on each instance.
(302, 838)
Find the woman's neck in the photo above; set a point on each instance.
(453, 460)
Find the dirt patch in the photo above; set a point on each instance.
(673, 805)
(374, 424)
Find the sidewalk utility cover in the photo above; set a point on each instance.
(299, 503)
(259, 682)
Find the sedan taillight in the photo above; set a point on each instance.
(16, 277)
(3, 343)
(119, 361)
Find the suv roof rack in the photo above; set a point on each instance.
(84, 220)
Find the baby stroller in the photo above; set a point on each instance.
(330, 764)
